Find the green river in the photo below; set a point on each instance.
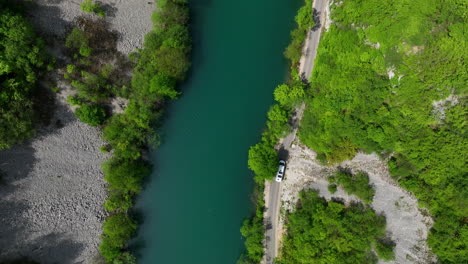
(199, 193)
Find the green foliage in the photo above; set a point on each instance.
(76, 39)
(125, 174)
(263, 160)
(328, 232)
(305, 22)
(161, 63)
(125, 258)
(98, 71)
(357, 184)
(332, 188)
(117, 230)
(118, 201)
(384, 249)
(288, 95)
(304, 17)
(93, 115)
(22, 54)
(355, 104)
(74, 100)
(254, 231)
(90, 6)
(85, 51)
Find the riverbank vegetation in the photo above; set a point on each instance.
(391, 77)
(159, 66)
(263, 157)
(100, 74)
(328, 232)
(357, 184)
(305, 22)
(22, 57)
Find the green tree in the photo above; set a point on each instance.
(263, 160)
(328, 232)
(125, 174)
(93, 115)
(22, 55)
(288, 95)
(117, 230)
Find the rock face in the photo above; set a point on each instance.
(52, 187)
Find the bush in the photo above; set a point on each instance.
(22, 56)
(384, 249)
(125, 175)
(92, 7)
(354, 184)
(332, 188)
(74, 100)
(328, 232)
(117, 230)
(93, 115)
(254, 230)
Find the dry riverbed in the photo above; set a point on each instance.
(407, 225)
(52, 187)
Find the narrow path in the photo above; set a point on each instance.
(273, 203)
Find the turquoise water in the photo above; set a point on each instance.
(199, 192)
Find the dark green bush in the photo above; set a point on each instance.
(332, 188)
(125, 175)
(328, 232)
(117, 230)
(22, 55)
(384, 249)
(357, 184)
(93, 115)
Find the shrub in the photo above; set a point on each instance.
(328, 232)
(125, 174)
(93, 115)
(384, 249)
(74, 100)
(90, 6)
(357, 184)
(332, 188)
(117, 230)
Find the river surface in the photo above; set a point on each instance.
(199, 192)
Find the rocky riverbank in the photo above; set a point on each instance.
(52, 187)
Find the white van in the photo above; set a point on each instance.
(280, 174)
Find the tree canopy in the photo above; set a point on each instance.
(328, 232)
(22, 55)
(390, 76)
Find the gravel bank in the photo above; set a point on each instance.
(407, 225)
(51, 199)
(53, 188)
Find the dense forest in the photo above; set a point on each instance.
(22, 57)
(328, 232)
(390, 77)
